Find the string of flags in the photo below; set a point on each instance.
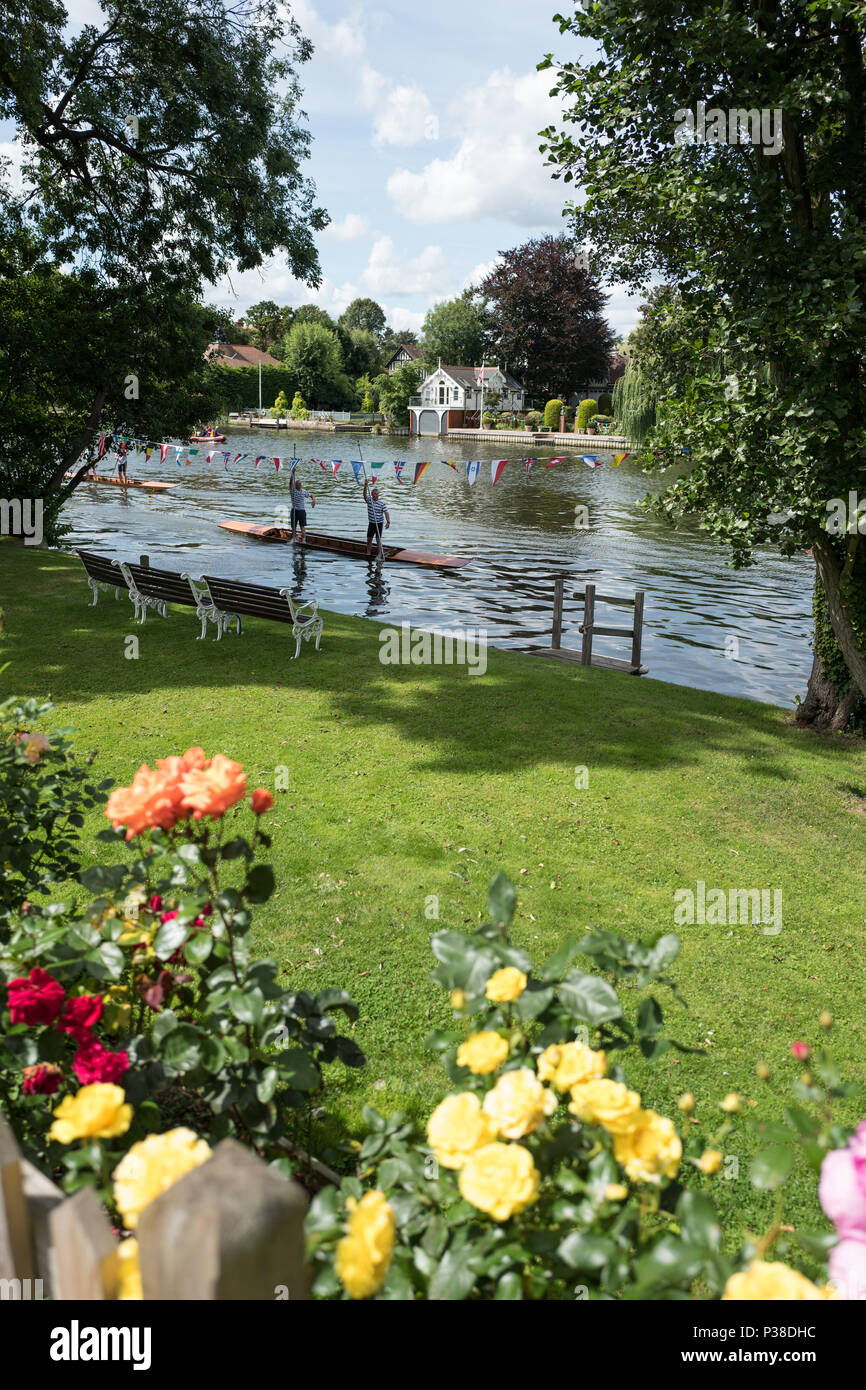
(125, 447)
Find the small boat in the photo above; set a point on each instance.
(207, 439)
(114, 481)
(345, 545)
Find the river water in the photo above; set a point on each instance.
(740, 632)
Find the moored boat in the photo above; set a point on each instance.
(125, 482)
(346, 545)
(207, 439)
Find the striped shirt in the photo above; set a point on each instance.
(377, 509)
(299, 498)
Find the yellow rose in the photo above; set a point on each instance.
(686, 1103)
(570, 1064)
(771, 1282)
(151, 1166)
(615, 1192)
(518, 1103)
(482, 1053)
(364, 1254)
(95, 1112)
(710, 1161)
(732, 1103)
(129, 1274)
(458, 999)
(651, 1150)
(457, 1127)
(506, 985)
(606, 1103)
(501, 1179)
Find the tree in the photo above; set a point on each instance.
(546, 317)
(221, 325)
(365, 314)
(759, 228)
(395, 391)
(311, 313)
(312, 353)
(299, 409)
(268, 322)
(454, 331)
(158, 153)
(360, 351)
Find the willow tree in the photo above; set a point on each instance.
(161, 148)
(723, 148)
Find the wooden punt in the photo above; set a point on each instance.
(345, 545)
(126, 482)
(207, 439)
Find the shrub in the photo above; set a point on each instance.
(552, 414)
(533, 418)
(280, 406)
(299, 409)
(543, 1176)
(605, 403)
(151, 992)
(585, 412)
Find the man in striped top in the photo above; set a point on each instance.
(377, 509)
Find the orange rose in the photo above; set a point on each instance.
(261, 800)
(212, 789)
(34, 745)
(151, 800)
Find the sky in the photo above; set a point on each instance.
(425, 151)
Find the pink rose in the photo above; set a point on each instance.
(847, 1270)
(842, 1189)
(801, 1051)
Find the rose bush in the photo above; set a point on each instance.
(149, 999)
(544, 1176)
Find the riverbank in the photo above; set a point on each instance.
(595, 442)
(409, 786)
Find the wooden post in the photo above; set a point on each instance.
(232, 1228)
(16, 1252)
(556, 635)
(638, 628)
(588, 620)
(85, 1251)
(144, 561)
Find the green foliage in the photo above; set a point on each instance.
(299, 409)
(237, 388)
(533, 418)
(395, 391)
(585, 412)
(605, 403)
(553, 413)
(44, 793)
(269, 323)
(313, 356)
(455, 331)
(280, 407)
(366, 315)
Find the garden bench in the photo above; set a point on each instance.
(102, 574)
(154, 588)
(235, 598)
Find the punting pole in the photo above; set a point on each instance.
(366, 480)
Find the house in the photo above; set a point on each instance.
(406, 352)
(591, 390)
(239, 355)
(450, 398)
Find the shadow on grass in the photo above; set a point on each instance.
(523, 712)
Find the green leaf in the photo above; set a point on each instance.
(260, 884)
(170, 936)
(455, 1274)
(698, 1220)
(561, 959)
(510, 1287)
(582, 1250)
(213, 1054)
(181, 1049)
(298, 1069)
(771, 1167)
(649, 1018)
(501, 899)
(267, 1084)
(164, 1023)
(588, 998)
(246, 1005)
(199, 947)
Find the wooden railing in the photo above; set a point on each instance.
(589, 628)
(232, 1228)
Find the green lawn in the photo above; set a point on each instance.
(407, 782)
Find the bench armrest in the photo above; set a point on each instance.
(312, 603)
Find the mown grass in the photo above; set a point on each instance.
(410, 784)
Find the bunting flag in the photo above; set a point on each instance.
(163, 452)
(190, 451)
(226, 458)
(293, 465)
(420, 470)
(449, 463)
(321, 463)
(335, 465)
(617, 459)
(399, 465)
(529, 463)
(276, 463)
(375, 470)
(179, 457)
(497, 468)
(101, 448)
(551, 463)
(147, 453)
(591, 460)
(357, 469)
(122, 449)
(237, 457)
(472, 471)
(260, 459)
(208, 459)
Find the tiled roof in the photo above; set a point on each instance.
(240, 355)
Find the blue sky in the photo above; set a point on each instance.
(425, 151)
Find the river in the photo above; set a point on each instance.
(706, 625)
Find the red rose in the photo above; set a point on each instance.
(169, 916)
(38, 999)
(81, 1015)
(41, 1080)
(262, 800)
(155, 903)
(93, 1063)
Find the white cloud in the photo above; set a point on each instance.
(621, 310)
(400, 318)
(387, 274)
(273, 281)
(344, 39)
(497, 170)
(402, 115)
(352, 226)
(481, 271)
(11, 172)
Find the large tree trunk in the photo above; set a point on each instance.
(832, 695)
(60, 483)
(824, 708)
